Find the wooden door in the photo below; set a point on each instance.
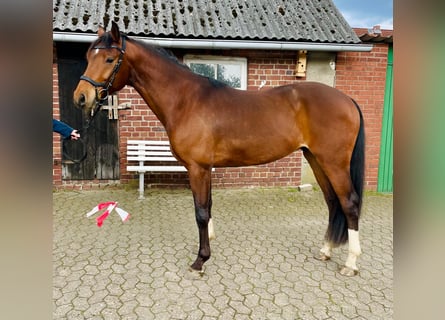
(96, 155)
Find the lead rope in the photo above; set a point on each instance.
(83, 141)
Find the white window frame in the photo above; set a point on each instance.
(209, 59)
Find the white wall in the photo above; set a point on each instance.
(321, 68)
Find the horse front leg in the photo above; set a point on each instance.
(200, 182)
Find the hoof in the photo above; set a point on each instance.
(348, 272)
(194, 274)
(322, 257)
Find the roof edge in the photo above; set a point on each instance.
(223, 44)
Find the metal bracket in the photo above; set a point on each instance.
(113, 107)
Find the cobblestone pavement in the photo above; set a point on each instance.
(262, 264)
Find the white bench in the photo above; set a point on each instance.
(146, 151)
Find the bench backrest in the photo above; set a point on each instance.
(148, 150)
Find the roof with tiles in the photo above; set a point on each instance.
(266, 20)
(375, 35)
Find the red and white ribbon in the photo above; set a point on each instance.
(110, 205)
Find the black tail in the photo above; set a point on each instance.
(358, 161)
(337, 232)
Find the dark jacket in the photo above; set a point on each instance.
(62, 128)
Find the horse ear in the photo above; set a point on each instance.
(115, 31)
(101, 31)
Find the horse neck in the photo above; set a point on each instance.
(159, 80)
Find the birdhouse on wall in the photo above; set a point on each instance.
(301, 63)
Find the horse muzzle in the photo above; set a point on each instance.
(84, 97)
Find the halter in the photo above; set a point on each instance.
(103, 87)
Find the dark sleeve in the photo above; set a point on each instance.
(62, 128)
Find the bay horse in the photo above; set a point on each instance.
(210, 124)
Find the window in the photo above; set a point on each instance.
(232, 71)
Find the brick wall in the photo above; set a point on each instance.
(362, 76)
(140, 123)
(359, 74)
(57, 146)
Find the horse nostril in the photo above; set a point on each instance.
(82, 100)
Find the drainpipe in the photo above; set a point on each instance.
(222, 44)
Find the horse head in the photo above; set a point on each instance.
(106, 71)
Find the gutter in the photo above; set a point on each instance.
(222, 44)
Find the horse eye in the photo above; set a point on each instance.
(109, 60)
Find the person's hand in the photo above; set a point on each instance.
(75, 135)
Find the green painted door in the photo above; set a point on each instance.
(385, 177)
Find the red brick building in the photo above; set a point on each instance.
(362, 75)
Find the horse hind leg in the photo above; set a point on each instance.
(345, 220)
(344, 207)
(333, 206)
(351, 207)
(350, 194)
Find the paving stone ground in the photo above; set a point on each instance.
(262, 264)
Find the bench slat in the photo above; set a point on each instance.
(145, 148)
(150, 153)
(155, 142)
(152, 158)
(157, 168)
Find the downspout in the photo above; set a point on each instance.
(223, 44)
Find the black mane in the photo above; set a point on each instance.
(105, 40)
(169, 55)
(165, 53)
(216, 83)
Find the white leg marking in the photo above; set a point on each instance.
(211, 230)
(354, 249)
(327, 249)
